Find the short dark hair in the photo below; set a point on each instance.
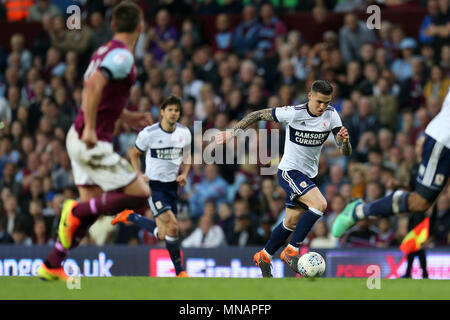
(127, 16)
(170, 101)
(322, 86)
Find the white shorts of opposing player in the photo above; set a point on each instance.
(98, 166)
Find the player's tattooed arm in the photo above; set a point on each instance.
(247, 121)
(343, 142)
(345, 147)
(251, 118)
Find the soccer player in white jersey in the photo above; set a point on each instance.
(167, 146)
(308, 126)
(431, 179)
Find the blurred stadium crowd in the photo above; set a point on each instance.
(388, 86)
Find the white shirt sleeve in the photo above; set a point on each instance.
(336, 122)
(143, 140)
(284, 114)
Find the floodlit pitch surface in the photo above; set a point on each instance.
(136, 288)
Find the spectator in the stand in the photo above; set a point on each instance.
(358, 179)
(41, 8)
(422, 120)
(244, 232)
(287, 75)
(190, 27)
(402, 67)
(428, 54)
(352, 36)
(323, 22)
(206, 235)
(226, 217)
(185, 226)
(363, 120)
(205, 66)
(224, 36)
(162, 38)
(12, 210)
(101, 30)
(439, 28)
(8, 154)
(267, 189)
(425, 34)
(361, 235)
(384, 104)
(441, 228)
(322, 238)
(437, 85)
(385, 236)
(42, 41)
(78, 40)
(445, 60)
(40, 234)
(353, 78)
(17, 43)
(271, 28)
(20, 234)
(247, 72)
(5, 237)
(62, 177)
(191, 86)
(213, 187)
(337, 205)
(245, 36)
(371, 75)
(411, 89)
(53, 64)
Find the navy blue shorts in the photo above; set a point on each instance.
(434, 169)
(164, 197)
(295, 184)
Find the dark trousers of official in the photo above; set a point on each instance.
(423, 263)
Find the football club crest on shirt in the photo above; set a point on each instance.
(439, 179)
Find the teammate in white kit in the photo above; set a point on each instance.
(432, 176)
(308, 127)
(167, 146)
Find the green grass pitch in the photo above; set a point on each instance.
(137, 288)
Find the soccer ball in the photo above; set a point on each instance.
(311, 265)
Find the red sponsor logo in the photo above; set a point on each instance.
(160, 263)
(352, 270)
(393, 266)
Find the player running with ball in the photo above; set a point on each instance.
(308, 127)
(432, 176)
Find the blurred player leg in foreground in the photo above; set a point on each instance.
(107, 82)
(431, 180)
